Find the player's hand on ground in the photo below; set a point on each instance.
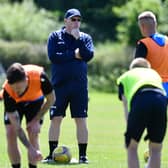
(34, 155)
(33, 126)
(75, 33)
(39, 155)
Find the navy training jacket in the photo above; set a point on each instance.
(61, 52)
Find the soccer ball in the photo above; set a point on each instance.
(62, 154)
(146, 155)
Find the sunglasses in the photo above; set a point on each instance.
(74, 20)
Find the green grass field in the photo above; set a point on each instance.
(106, 141)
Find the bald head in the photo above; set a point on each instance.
(139, 62)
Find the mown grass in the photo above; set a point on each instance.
(106, 141)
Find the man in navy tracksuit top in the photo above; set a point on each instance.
(69, 50)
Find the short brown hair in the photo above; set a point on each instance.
(15, 73)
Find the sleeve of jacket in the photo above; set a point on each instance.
(86, 47)
(57, 51)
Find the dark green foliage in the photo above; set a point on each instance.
(127, 29)
(16, 1)
(48, 4)
(99, 19)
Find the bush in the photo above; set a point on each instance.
(110, 61)
(23, 52)
(3, 1)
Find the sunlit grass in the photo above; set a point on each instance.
(106, 141)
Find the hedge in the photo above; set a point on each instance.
(109, 62)
(23, 52)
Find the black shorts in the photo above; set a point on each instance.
(75, 95)
(27, 109)
(148, 110)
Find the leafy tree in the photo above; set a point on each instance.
(163, 18)
(48, 4)
(16, 1)
(99, 19)
(127, 29)
(24, 21)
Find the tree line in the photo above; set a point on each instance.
(26, 24)
(108, 19)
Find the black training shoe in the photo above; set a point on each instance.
(83, 159)
(48, 159)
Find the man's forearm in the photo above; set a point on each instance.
(15, 121)
(23, 138)
(47, 104)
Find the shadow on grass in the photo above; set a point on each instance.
(71, 163)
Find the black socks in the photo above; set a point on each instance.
(32, 166)
(82, 149)
(16, 165)
(52, 145)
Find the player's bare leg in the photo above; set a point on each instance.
(132, 154)
(54, 132)
(82, 131)
(82, 137)
(13, 150)
(34, 140)
(155, 155)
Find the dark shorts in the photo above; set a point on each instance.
(148, 110)
(27, 109)
(73, 94)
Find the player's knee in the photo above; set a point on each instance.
(133, 145)
(81, 121)
(56, 120)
